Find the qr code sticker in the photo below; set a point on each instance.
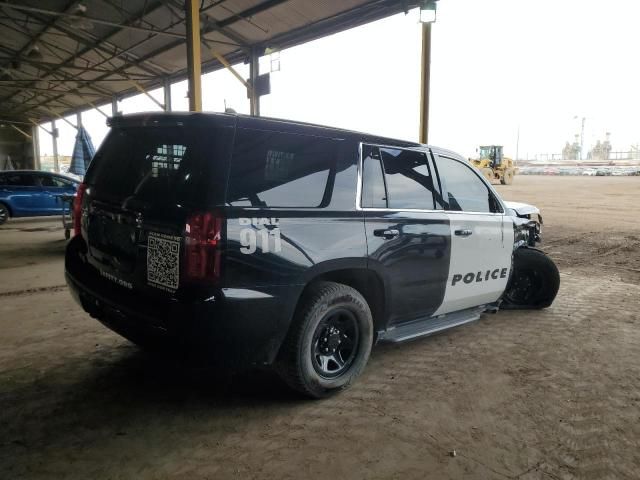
(163, 260)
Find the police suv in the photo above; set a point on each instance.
(248, 241)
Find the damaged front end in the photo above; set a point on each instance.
(527, 223)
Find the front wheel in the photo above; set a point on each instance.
(329, 342)
(507, 177)
(4, 213)
(534, 282)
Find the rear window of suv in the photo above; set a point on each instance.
(274, 169)
(152, 163)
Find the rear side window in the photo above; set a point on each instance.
(19, 180)
(465, 190)
(374, 193)
(396, 178)
(274, 169)
(152, 163)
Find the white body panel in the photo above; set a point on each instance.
(480, 262)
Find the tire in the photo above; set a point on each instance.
(4, 213)
(324, 306)
(507, 177)
(534, 282)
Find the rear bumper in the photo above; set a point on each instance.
(234, 328)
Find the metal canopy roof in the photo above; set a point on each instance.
(60, 56)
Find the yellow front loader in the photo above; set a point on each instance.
(494, 166)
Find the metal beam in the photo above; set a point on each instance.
(54, 136)
(227, 65)
(20, 130)
(215, 26)
(35, 145)
(46, 27)
(97, 45)
(141, 89)
(47, 90)
(40, 64)
(254, 71)
(425, 80)
(194, 59)
(166, 90)
(114, 106)
(250, 12)
(59, 116)
(90, 19)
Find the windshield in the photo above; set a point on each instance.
(486, 152)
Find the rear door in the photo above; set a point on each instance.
(141, 186)
(481, 238)
(408, 235)
(53, 187)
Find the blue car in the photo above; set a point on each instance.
(29, 193)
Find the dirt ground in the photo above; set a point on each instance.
(519, 395)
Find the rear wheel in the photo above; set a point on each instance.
(534, 282)
(4, 213)
(329, 342)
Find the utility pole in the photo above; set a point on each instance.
(425, 80)
(54, 137)
(582, 139)
(194, 60)
(427, 17)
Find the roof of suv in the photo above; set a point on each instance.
(232, 119)
(171, 118)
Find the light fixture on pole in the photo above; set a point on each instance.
(428, 11)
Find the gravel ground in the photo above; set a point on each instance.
(549, 394)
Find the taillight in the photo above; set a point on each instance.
(202, 239)
(77, 209)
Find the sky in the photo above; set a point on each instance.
(517, 73)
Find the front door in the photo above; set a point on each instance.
(407, 231)
(482, 238)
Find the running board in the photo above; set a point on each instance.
(429, 326)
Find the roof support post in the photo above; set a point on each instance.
(54, 136)
(166, 88)
(114, 106)
(194, 60)
(35, 144)
(79, 120)
(425, 78)
(254, 71)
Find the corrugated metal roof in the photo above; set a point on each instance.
(61, 56)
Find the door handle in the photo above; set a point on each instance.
(463, 232)
(387, 234)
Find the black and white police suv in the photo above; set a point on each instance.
(246, 241)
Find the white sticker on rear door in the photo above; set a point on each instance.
(163, 261)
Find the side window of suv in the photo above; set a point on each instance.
(274, 169)
(465, 190)
(408, 179)
(396, 178)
